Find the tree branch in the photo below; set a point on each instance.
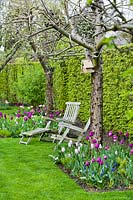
(36, 33)
(11, 54)
(76, 38)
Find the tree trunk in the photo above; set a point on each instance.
(96, 110)
(49, 89)
(48, 71)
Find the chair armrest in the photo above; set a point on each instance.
(72, 127)
(50, 119)
(65, 121)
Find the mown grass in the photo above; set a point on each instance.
(27, 172)
(11, 110)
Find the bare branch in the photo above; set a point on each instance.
(118, 11)
(40, 31)
(11, 54)
(76, 38)
(62, 51)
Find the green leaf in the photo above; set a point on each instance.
(108, 40)
(89, 2)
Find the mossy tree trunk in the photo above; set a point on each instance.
(49, 89)
(96, 109)
(48, 71)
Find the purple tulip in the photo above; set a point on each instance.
(93, 160)
(120, 133)
(57, 113)
(94, 141)
(127, 134)
(107, 147)
(105, 157)
(130, 145)
(51, 115)
(1, 115)
(91, 133)
(122, 141)
(101, 162)
(110, 134)
(96, 145)
(131, 152)
(5, 116)
(98, 160)
(115, 138)
(87, 163)
(25, 118)
(87, 137)
(18, 115)
(29, 115)
(11, 117)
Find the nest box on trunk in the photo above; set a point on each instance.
(87, 66)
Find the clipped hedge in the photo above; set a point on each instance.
(115, 88)
(73, 85)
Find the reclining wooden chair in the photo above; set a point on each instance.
(68, 127)
(70, 116)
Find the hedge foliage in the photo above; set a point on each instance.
(25, 82)
(116, 89)
(73, 85)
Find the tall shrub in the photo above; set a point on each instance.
(23, 82)
(115, 86)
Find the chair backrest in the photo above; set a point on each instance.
(71, 111)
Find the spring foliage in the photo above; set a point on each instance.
(25, 82)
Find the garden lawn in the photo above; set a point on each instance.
(27, 172)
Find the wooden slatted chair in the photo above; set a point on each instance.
(70, 116)
(69, 127)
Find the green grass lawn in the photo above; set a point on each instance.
(27, 172)
(11, 110)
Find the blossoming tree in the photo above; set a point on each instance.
(91, 26)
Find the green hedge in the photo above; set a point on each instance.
(72, 85)
(115, 88)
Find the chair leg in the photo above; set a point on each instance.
(25, 142)
(41, 136)
(79, 138)
(64, 135)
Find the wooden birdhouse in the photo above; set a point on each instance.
(87, 66)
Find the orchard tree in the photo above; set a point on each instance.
(24, 27)
(93, 25)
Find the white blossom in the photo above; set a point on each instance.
(76, 151)
(70, 143)
(69, 155)
(77, 144)
(100, 146)
(63, 149)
